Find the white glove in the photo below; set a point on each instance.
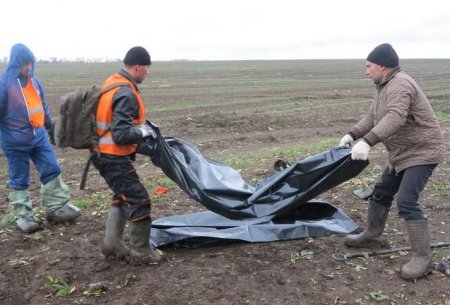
(147, 131)
(346, 140)
(360, 151)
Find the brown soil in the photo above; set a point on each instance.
(240, 273)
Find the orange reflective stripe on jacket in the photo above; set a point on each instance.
(104, 118)
(34, 104)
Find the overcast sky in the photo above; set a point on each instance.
(226, 29)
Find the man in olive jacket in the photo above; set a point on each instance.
(402, 118)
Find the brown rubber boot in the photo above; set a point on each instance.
(419, 239)
(141, 250)
(113, 244)
(376, 221)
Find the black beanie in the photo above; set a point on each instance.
(384, 55)
(137, 56)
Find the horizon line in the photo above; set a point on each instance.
(108, 60)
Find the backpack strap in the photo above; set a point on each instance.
(112, 86)
(93, 153)
(86, 170)
(106, 89)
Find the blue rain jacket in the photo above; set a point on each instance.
(19, 140)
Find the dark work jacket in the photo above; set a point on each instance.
(125, 109)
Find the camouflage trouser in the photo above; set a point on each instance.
(129, 193)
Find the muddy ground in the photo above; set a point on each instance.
(57, 265)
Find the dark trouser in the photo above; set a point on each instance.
(408, 185)
(129, 193)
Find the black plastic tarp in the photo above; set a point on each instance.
(280, 207)
(222, 190)
(316, 218)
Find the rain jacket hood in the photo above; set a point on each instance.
(16, 129)
(20, 56)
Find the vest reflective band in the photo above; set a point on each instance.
(104, 118)
(34, 104)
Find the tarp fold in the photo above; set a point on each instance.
(240, 205)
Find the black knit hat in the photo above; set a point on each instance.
(137, 56)
(384, 55)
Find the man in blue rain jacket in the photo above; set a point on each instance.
(25, 132)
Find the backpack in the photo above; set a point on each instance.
(76, 125)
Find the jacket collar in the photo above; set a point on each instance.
(389, 76)
(129, 77)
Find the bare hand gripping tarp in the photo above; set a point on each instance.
(223, 191)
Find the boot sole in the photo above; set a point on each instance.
(375, 243)
(419, 276)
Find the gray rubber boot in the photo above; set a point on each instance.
(141, 250)
(113, 244)
(55, 197)
(419, 238)
(24, 216)
(376, 221)
(66, 213)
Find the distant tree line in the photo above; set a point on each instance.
(76, 60)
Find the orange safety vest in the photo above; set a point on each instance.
(34, 104)
(104, 118)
